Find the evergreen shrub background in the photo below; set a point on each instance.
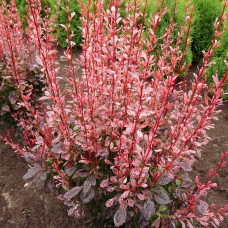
(218, 57)
(75, 26)
(205, 14)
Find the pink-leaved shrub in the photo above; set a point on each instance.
(120, 142)
(20, 73)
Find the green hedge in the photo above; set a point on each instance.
(219, 56)
(74, 27)
(205, 13)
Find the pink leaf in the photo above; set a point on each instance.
(160, 196)
(104, 184)
(109, 202)
(189, 224)
(140, 196)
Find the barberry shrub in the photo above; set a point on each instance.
(121, 141)
(20, 74)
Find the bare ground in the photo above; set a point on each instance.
(24, 208)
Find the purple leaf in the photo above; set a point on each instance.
(82, 173)
(68, 202)
(99, 175)
(61, 197)
(105, 153)
(164, 179)
(104, 184)
(142, 143)
(39, 61)
(87, 186)
(34, 180)
(148, 210)
(70, 170)
(120, 217)
(106, 213)
(5, 108)
(140, 196)
(42, 179)
(171, 98)
(113, 179)
(185, 166)
(12, 97)
(202, 207)
(139, 204)
(29, 157)
(71, 212)
(187, 183)
(57, 147)
(32, 171)
(97, 194)
(86, 198)
(92, 179)
(160, 196)
(164, 130)
(73, 192)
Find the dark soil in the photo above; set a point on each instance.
(24, 208)
(211, 155)
(30, 208)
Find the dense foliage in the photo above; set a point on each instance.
(120, 142)
(205, 13)
(15, 56)
(75, 25)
